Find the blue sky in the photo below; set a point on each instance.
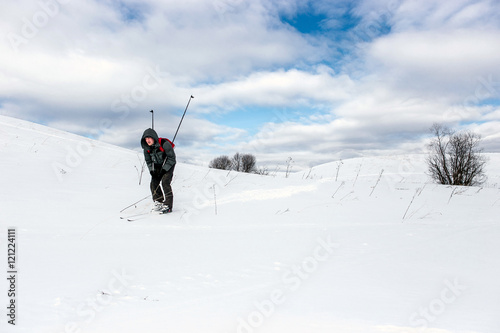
(313, 23)
(313, 80)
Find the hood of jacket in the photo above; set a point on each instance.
(151, 133)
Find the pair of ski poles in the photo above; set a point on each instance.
(153, 118)
(152, 126)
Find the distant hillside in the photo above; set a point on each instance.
(411, 168)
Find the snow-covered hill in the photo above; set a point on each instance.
(361, 245)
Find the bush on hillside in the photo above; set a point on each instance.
(222, 162)
(455, 157)
(239, 162)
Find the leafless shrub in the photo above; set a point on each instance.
(239, 162)
(455, 157)
(248, 162)
(222, 162)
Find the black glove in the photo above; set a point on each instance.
(162, 172)
(158, 173)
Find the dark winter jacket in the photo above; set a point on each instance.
(155, 158)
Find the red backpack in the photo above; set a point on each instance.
(161, 141)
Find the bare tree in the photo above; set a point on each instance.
(237, 162)
(248, 162)
(222, 162)
(455, 158)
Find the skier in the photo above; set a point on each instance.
(160, 158)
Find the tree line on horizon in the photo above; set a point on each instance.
(455, 158)
(239, 162)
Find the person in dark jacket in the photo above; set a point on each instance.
(161, 164)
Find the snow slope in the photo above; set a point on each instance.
(338, 248)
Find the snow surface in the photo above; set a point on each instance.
(361, 245)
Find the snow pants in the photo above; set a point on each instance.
(166, 196)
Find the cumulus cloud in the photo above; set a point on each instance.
(369, 78)
(437, 64)
(279, 88)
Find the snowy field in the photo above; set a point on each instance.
(362, 245)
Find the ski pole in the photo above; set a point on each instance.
(152, 119)
(121, 211)
(182, 118)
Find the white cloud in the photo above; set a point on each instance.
(429, 15)
(87, 55)
(279, 88)
(88, 69)
(454, 58)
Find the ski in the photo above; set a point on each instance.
(135, 216)
(140, 216)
